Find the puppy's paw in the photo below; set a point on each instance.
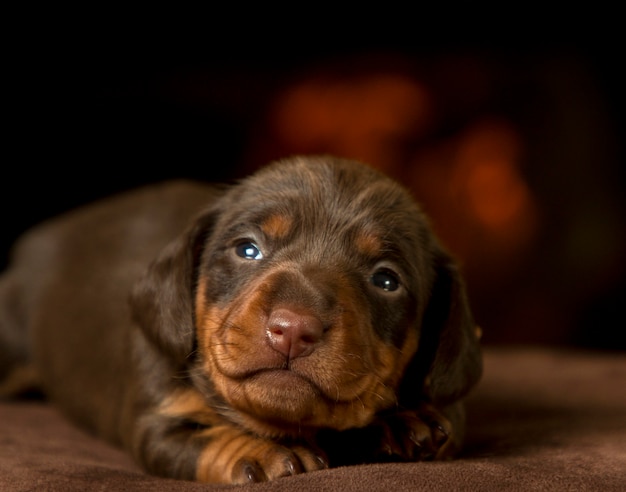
(236, 457)
(415, 435)
(272, 461)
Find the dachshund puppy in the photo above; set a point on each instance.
(302, 318)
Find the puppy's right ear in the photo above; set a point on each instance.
(162, 300)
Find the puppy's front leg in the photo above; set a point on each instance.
(186, 439)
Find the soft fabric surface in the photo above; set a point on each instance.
(540, 420)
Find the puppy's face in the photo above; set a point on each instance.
(310, 292)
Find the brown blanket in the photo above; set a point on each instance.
(540, 420)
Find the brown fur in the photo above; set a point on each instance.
(303, 318)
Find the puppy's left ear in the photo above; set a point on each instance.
(162, 300)
(448, 359)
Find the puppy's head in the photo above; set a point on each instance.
(318, 297)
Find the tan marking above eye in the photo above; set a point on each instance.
(277, 225)
(368, 243)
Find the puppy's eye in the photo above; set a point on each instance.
(248, 250)
(385, 279)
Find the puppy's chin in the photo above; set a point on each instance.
(282, 403)
(279, 396)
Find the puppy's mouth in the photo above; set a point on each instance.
(276, 395)
(283, 378)
(276, 384)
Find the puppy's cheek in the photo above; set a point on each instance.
(382, 367)
(371, 368)
(393, 361)
(200, 305)
(223, 351)
(232, 339)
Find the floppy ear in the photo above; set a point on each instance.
(162, 300)
(448, 358)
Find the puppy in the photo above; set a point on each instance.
(302, 318)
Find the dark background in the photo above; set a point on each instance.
(96, 108)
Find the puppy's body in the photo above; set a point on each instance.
(67, 293)
(306, 316)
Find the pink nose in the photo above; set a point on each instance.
(293, 334)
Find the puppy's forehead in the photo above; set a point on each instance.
(323, 191)
(332, 208)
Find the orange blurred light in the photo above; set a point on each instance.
(362, 117)
(487, 175)
(496, 194)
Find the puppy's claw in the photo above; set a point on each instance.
(440, 436)
(247, 471)
(291, 466)
(321, 462)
